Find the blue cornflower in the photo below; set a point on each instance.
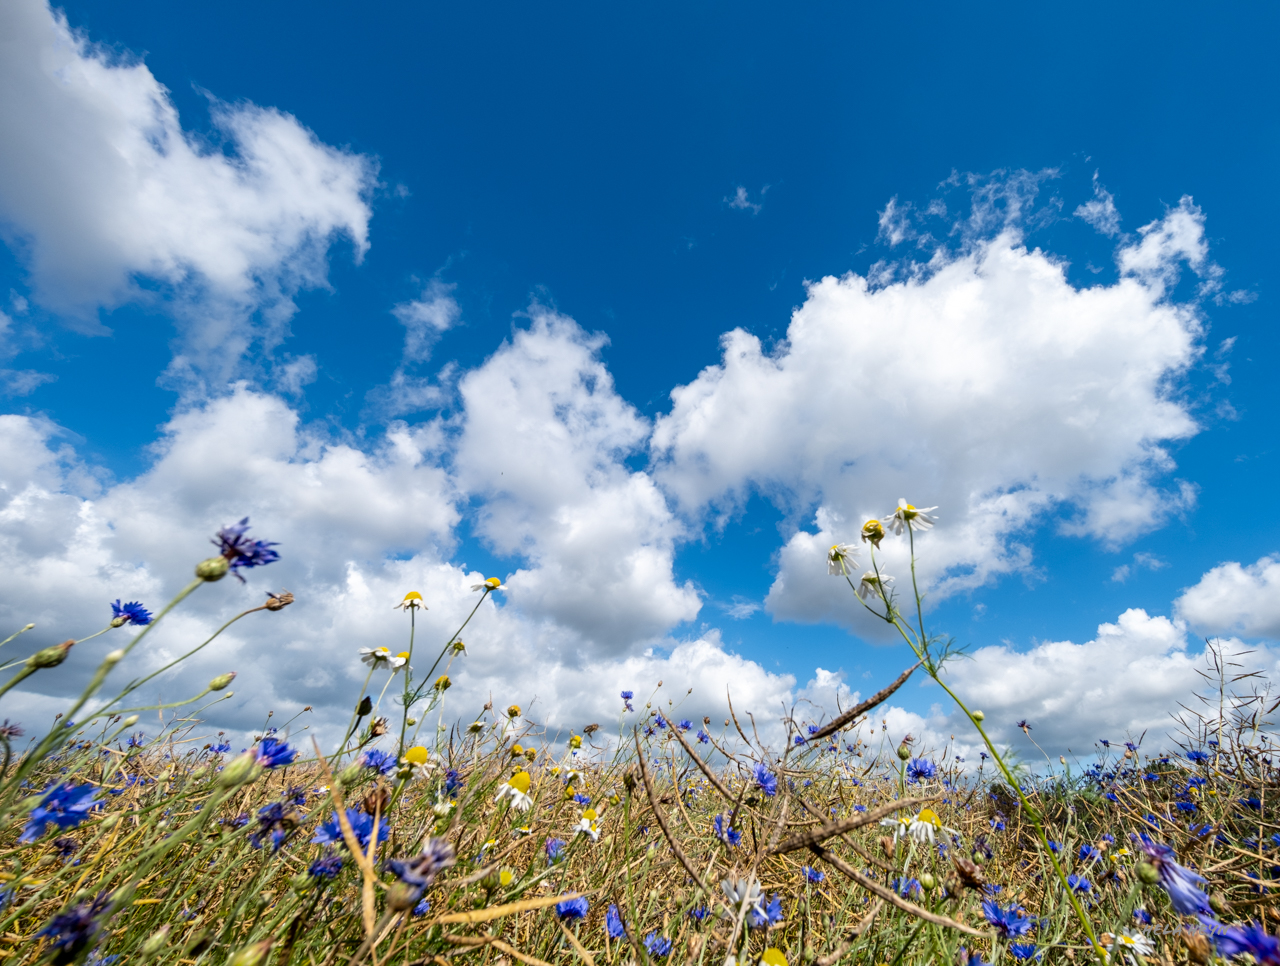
(920, 769)
(1131, 746)
(420, 871)
(452, 782)
(685, 724)
(271, 821)
(699, 912)
(76, 928)
(1079, 883)
(221, 748)
(732, 836)
(422, 908)
(582, 799)
(813, 875)
(983, 755)
(657, 945)
(660, 721)
(382, 761)
(130, 613)
(1010, 923)
(1185, 806)
(1088, 853)
(813, 730)
(1253, 803)
(272, 753)
(1181, 883)
(1252, 939)
(703, 737)
(65, 806)
(626, 699)
(1151, 777)
(1104, 742)
(555, 851)
(326, 868)
(242, 552)
(799, 740)
(1142, 916)
(1055, 846)
(1151, 820)
(766, 781)
(859, 808)
(1112, 797)
(769, 914)
(1196, 754)
(972, 959)
(330, 832)
(1023, 951)
(613, 922)
(907, 887)
(997, 824)
(137, 741)
(572, 908)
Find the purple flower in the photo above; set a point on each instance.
(907, 887)
(703, 737)
(65, 806)
(1078, 883)
(572, 908)
(657, 945)
(626, 699)
(1088, 853)
(326, 868)
(242, 552)
(1131, 746)
(76, 928)
(731, 836)
(555, 851)
(330, 832)
(685, 725)
(130, 613)
(660, 721)
(613, 923)
(1023, 951)
(421, 871)
(920, 769)
(1010, 923)
(1197, 755)
(272, 821)
(1252, 939)
(1104, 742)
(382, 761)
(1181, 883)
(422, 908)
(272, 753)
(766, 781)
(582, 799)
(813, 875)
(766, 915)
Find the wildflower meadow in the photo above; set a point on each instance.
(434, 833)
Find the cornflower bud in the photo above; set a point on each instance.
(114, 657)
(402, 896)
(979, 716)
(213, 569)
(1148, 873)
(351, 774)
(221, 681)
(903, 751)
(155, 942)
(928, 882)
(50, 656)
(240, 770)
(254, 954)
(129, 722)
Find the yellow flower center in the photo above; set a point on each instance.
(929, 816)
(773, 957)
(493, 583)
(417, 755)
(443, 682)
(575, 741)
(381, 651)
(513, 711)
(413, 595)
(403, 654)
(517, 751)
(520, 782)
(506, 877)
(589, 815)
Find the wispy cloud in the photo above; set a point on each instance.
(741, 200)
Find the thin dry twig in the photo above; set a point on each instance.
(864, 706)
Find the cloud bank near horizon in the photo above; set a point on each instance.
(980, 379)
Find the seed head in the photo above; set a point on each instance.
(50, 656)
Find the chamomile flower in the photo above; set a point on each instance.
(587, 825)
(909, 516)
(412, 601)
(1132, 942)
(377, 657)
(493, 583)
(873, 531)
(417, 763)
(872, 584)
(840, 558)
(738, 891)
(921, 828)
(516, 788)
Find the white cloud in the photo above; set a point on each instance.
(988, 385)
(1235, 599)
(100, 184)
(741, 200)
(543, 443)
(1100, 211)
(424, 319)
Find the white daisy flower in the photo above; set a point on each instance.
(1132, 943)
(516, 788)
(871, 584)
(906, 514)
(737, 890)
(376, 656)
(840, 559)
(412, 601)
(921, 828)
(493, 583)
(587, 825)
(417, 763)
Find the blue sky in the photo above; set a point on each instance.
(664, 176)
